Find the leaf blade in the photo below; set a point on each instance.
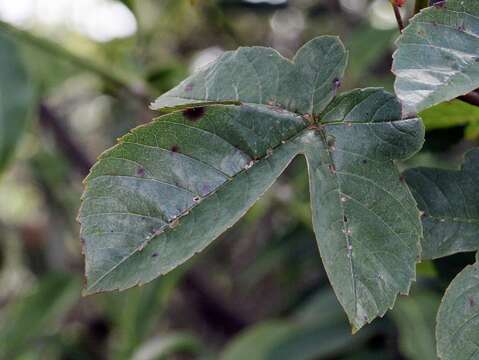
(437, 56)
(456, 329)
(262, 76)
(449, 201)
(352, 198)
(183, 213)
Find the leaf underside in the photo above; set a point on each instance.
(449, 201)
(438, 55)
(171, 187)
(458, 317)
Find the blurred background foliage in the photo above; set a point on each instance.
(76, 75)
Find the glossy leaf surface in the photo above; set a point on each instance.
(438, 55)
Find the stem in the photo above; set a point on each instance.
(471, 98)
(74, 153)
(397, 13)
(133, 85)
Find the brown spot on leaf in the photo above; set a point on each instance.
(175, 148)
(336, 83)
(402, 178)
(472, 302)
(194, 114)
(154, 255)
(140, 172)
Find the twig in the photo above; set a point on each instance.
(51, 121)
(397, 13)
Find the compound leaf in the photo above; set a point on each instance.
(438, 55)
(458, 317)
(171, 187)
(450, 204)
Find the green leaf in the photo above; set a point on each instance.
(261, 76)
(16, 98)
(415, 316)
(318, 330)
(449, 201)
(450, 114)
(37, 314)
(438, 55)
(458, 317)
(171, 187)
(137, 311)
(164, 346)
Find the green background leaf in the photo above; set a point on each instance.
(16, 98)
(317, 330)
(416, 319)
(458, 317)
(37, 313)
(451, 114)
(450, 204)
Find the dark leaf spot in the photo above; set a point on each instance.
(154, 255)
(194, 114)
(336, 84)
(365, 161)
(472, 302)
(345, 219)
(140, 172)
(175, 148)
(402, 178)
